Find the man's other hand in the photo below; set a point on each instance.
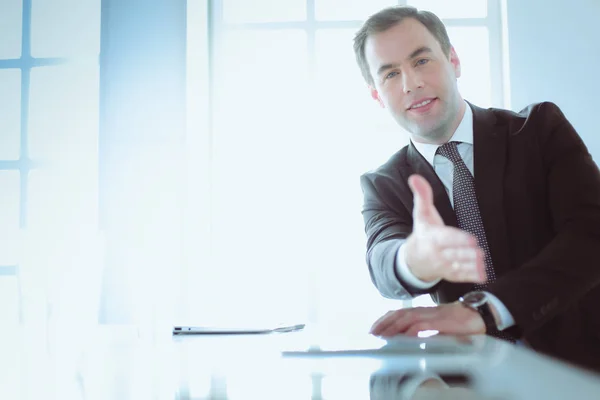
(450, 319)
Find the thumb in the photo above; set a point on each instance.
(424, 210)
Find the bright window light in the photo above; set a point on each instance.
(292, 127)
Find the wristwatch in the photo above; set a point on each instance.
(479, 302)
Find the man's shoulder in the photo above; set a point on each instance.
(535, 112)
(544, 108)
(391, 167)
(535, 119)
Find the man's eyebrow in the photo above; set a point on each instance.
(414, 54)
(386, 67)
(419, 51)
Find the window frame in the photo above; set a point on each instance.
(25, 164)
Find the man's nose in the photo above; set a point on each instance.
(411, 81)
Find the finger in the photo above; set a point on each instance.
(463, 264)
(449, 236)
(399, 326)
(424, 210)
(386, 321)
(469, 273)
(380, 322)
(441, 324)
(409, 317)
(480, 268)
(462, 254)
(393, 323)
(426, 321)
(450, 319)
(464, 272)
(420, 327)
(481, 271)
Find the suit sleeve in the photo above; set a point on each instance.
(386, 228)
(567, 268)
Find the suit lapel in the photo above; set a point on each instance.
(419, 165)
(490, 146)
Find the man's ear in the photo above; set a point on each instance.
(375, 96)
(455, 61)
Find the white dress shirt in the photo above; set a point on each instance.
(445, 171)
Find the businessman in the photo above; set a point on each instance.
(495, 214)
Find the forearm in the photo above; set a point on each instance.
(382, 261)
(548, 284)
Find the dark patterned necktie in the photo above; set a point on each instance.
(466, 207)
(467, 212)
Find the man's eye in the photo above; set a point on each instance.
(422, 61)
(391, 75)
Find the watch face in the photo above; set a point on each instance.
(475, 298)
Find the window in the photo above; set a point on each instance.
(291, 128)
(49, 78)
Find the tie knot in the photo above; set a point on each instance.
(450, 151)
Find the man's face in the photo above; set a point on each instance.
(416, 81)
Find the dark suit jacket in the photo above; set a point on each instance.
(539, 196)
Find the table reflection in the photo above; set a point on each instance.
(423, 385)
(123, 365)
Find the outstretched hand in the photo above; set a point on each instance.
(436, 251)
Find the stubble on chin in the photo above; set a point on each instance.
(426, 133)
(435, 134)
(432, 131)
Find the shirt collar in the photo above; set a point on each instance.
(464, 134)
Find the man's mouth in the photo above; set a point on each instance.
(421, 104)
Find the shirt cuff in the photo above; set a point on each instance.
(506, 319)
(406, 274)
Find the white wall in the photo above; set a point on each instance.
(554, 50)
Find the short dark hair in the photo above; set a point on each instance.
(390, 17)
